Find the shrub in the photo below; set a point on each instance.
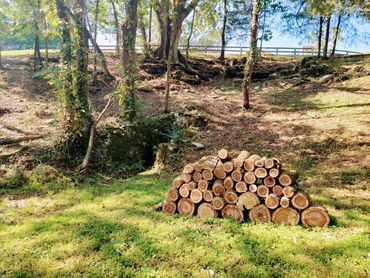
(13, 178)
(44, 174)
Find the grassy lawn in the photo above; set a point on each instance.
(98, 227)
(23, 52)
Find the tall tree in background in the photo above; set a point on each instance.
(252, 54)
(327, 36)
(116, 28)
(96, 19)
(127, 85)
(190, 35)
(162, 10)
(223, 33)
(336, 34)
(319, 40)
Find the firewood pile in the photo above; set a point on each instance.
(244, 187)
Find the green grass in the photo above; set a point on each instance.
(23, 52)
(98, 227)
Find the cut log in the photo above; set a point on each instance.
(260, 213)
(288, 191)
(269, 163)
(197, 166)
(269, 181)
(241, 187)
(206, 210)
(248, 165)
(224, 154)
(254, 157)
(259, 163)
(185, 207)
(191, 185)
(169, 207)
(8, 141)
(218, 188)
(287, 216)
(260, 172)
(272, 201)
(188, 169)
(218, 203)
(315, 217)
(228, 183)
(172, 194)
(177, 182)
(228, 166)
(239, 161)
(274, 173)
(232, 211)
(248, 200)
(203, 185)
(208, 196)
(197, 176)
(219, 172)
(209, 162)
(237, 175)
(253, 188)
(184, 191)
(250, 177)
(284, 202)
(207, 175)
(196, 196)
(158, 206)
(262, 191)
(300, 200)
(285, 180)
(277, 190)
(187, 177)
(231, 197)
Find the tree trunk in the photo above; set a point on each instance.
(82, 92)
(189, 37)
(127, 90)
(37, 53)
(143, 33)
(161, 9)
(1, 65)
(247, 82)
(320, 37)
(150, 27)
(263, 30)
(336, 34)
(168, 82)
(223, 33)
(95, 37)
(47, 51)
(327, 34)
(116, 26)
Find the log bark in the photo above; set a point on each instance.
(284, 202)
(207, 175)
(169, 207)
(286, 216)
(184, 191)
(248, 200)
(223, 154)
(241, 187)
(288, 191)
(203, 185)
(185, 207)
(262, 191)
(196, 196)
(315, 217)
(260, 213)
(269, 181)
(228, 183)
(206, 210)
(260, 172)
(218, 188)
(237, 175)
(232, 211)
(272, 201)
(208, 195)
(218, 203)
(300, 201)
(172, 194)
(277, 190)
(209, 162)
(231, 197)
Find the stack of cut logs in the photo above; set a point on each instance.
(248, 186)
